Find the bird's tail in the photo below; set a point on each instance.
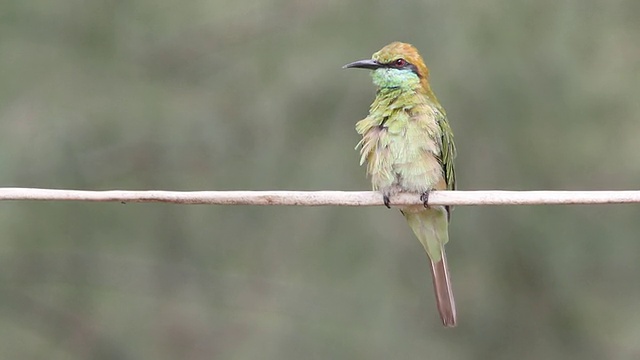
(431, 228)
(444, 294)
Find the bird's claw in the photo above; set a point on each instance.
(385, 199)
(424, 197)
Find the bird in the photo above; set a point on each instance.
(407, 145)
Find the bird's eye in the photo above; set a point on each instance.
(400, 63)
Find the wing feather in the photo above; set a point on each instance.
(447, 153)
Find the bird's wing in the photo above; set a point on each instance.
(448, 152)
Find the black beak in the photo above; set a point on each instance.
(364, 64)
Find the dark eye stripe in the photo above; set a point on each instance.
(413, 68)
(407, 65)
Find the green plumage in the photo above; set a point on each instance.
(407, 146)
(431, 228)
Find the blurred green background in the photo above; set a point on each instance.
(222, 95)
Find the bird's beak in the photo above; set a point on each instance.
(364, 64)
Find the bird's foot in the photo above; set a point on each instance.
(385, 199)
(424, 197)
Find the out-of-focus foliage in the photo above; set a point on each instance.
(204, 95)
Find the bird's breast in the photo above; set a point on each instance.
(401, 151)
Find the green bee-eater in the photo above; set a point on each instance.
(408, 146)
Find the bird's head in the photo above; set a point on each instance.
(397, 65)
